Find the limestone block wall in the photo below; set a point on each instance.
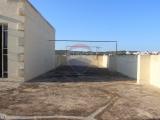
(29, 51)
(38, 51)
(11, 14)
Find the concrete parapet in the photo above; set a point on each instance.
(155, 70)
(143, 69)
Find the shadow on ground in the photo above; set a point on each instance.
(92, 74)
(89, 95)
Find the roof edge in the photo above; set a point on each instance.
(39, 13)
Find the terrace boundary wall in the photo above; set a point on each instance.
(97, 61)
(144, 68)
(30, 54)
(149, 70)
(125, 64)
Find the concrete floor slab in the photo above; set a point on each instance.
(115, 96)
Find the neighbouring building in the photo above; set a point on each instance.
(25, 50)
(128, 53)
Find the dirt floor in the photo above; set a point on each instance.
(99, 94)
(4, 84)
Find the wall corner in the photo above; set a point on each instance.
(143, 69)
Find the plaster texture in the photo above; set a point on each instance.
(155, 71)
(29, 51)
(143, 71)
(39, 52)
(97, 61)
(127, 64)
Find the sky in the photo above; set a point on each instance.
(134, 24)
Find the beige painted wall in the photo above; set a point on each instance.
(10, 14)
(155, 70)
(94, 60)
(148, 70)
(39, 52)
(105, 61)
(143, 69)
(101, 61)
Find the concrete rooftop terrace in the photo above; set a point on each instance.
(98, 95)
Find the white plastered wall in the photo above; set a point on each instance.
(127, 64)
(39, 51)
(10, 14)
